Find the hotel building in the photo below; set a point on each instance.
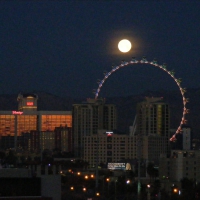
(152, 128)
(88, 118)
(104, 148)
(148, 143)
(153, 117)
(27, 118)
(118, 147)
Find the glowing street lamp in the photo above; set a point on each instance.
(148, 194)
(92, 176)
(175, 190)
(86, 176)
(97, 194)
(71, 188)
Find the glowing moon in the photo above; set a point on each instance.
(124, 45)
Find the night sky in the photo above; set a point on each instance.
(63, 47)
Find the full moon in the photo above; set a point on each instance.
(124, 45)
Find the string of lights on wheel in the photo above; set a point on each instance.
(162, 67)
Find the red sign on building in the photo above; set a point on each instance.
(29, 103)
(17, 112)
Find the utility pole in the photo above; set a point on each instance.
(139, 161)
(97, 162)
(115, 188)
(15, 137)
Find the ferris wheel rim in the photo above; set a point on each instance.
(154, 63)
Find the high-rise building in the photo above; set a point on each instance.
(187, 139)
(183, 140)
(152, 147)
(47, 140)
(153, 117)
(36, 141)
(27, 118)
(88, 118)
(114, 147)
(27, 101)
(151, 126)
(16, 122)
(63, 139)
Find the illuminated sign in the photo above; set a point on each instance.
(115, 166)
(17, 112)
(119, 166)
(109, 133)
(29, 103)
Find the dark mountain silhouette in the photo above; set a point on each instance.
(126, 106)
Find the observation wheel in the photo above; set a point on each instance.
(162, 67)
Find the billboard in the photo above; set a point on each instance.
(119, 166)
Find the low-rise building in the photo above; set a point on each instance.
(108, 147)
(180, 164)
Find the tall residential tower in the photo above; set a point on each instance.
(88, 118)
(153, 117)
(152, 126)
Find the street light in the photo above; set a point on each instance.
(127, 191)
(71, 188)
(148, 192)
(108, 181)
(115, 189)
(86, 176)
(175, 190)
(139, 146)
(97, 194)
(97, 161)
(92, 176)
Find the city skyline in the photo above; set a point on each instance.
(64, 47)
